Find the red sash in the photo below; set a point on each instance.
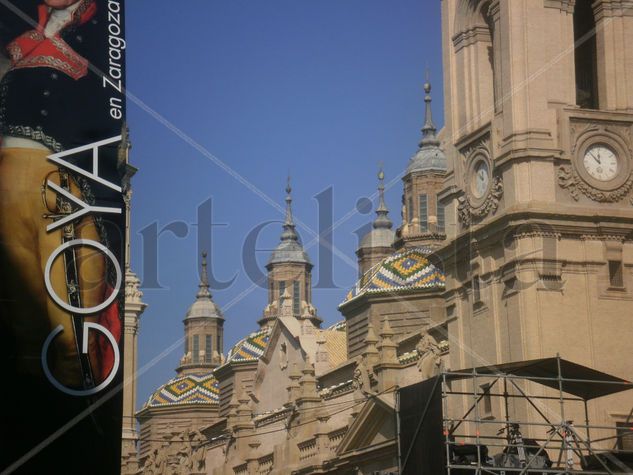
(110, 319)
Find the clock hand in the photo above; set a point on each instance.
(596, 159)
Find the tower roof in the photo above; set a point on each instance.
(290, 249)
(429, 156)
(204, 307)
(381, 235)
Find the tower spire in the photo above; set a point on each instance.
(289, 233)
(429, 130)
(203, 287)
(382, 212)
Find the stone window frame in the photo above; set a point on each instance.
(613, 251)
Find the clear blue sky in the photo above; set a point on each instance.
(323, 89)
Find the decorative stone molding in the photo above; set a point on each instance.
(603, 237)
(587, 129)
(479, 145)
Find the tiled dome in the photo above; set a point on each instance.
(250, 348)
(185, 390)
(407, 270)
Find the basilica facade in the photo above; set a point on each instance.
(515, 243)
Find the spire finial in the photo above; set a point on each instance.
(289, 232)
(382, 213)
(429, 130)
(204, 279)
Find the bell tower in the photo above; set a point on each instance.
(539, 186)
(289, 276)
(204, 331)
(423, 215)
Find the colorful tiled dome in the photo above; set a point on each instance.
(185, 390)
(407, 270)
(250, 348)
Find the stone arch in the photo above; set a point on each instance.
(472, 14)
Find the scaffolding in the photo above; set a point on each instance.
(538, 437)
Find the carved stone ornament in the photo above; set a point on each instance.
(430, 362)
(569, 179)
(364, 379)
(468, 211)
(133, 293)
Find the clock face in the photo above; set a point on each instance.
(480, 179)
(601, 163)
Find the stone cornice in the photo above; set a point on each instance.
(387, 296)
(566, 221)
(613, 8)
(475, 34)
(465, 141)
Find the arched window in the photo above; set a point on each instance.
(296, 297)
(441, 216)
(585, 55)
(207, 349)
(282, 289)
(424, 213)
(196, 349)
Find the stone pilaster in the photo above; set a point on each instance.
(370, 354)
(294, 389)
(134, 307)
(387, 347)
(309, 396)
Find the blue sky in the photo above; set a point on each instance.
(321, 89)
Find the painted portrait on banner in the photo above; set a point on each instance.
(62, 232)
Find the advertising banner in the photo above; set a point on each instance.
(63, 155)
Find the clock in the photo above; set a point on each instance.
(601, 162)
(480, 179)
